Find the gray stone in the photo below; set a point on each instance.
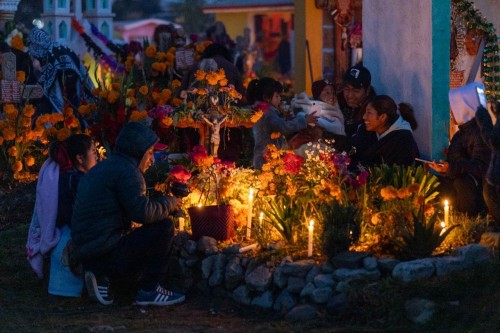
(342, 287)
(414, 270)
(473, 254)
(302, 312)
(298, 268)
(279, 278)
(420, 310)
(312, 273)
(321, 295)
(181, 238)
(207, 265)
(190, 246)
(264, 301)
(234, 273)
(286, 260)
(207, 245)
(337, 303)
(370, 263)
(349, 259)
(259, 279)
(295, 284)
(386, 265)
(307, 290)
(242, 295)
(327, 267)
(232, 249)
(446, 265)
(192, 260)
(245, 261)
(345, 274)
(284, 302)
(220, 261)
(324, 280)
(216, 278)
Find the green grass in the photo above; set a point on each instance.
(467, 301)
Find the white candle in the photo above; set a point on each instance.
(310, 240)
(181, 224)
(446, 212)
(261, 218)
(249, 214)
(443, 228)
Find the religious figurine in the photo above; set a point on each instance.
(215, 124)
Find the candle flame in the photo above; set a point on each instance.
(443, 225)
(446, 203)
(261, 215)
(311, 223)
(199, 204)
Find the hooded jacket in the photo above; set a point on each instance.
(113, 194)
(490, 133)
(468, 154)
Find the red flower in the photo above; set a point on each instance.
(292, 163)
(180, 174)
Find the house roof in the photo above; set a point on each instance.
(218, 6)
(130, 25)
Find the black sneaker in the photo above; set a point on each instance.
(98, 288)
(160, 297)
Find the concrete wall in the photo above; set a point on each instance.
(406, 48)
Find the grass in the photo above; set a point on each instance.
(466, 301)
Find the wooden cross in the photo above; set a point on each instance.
(12, 90)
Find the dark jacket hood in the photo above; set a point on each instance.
(135, 139)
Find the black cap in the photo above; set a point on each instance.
(358, 77)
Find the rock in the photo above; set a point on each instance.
(313, 272)
(324, 280)
(349, 259)
(264, 301)
(337, 303)
(220, 261)
(473, 254)
(298, 268)
(259, 279)
(216, 278)
(234, 273)
(414, 270)
(181, 239)
(232, 249)
(190, 246)
(295, 284)
(386, 265)
(192, 260)
(345, 274)
(419, 310)
(446, 265)
(321, 295)
(342, 287)
(307, 290)
(242, 295)
(301, 313)
(284, 302)
(279, 278)
(370, 263)
(327, 267)
(207, 245)
(206, 266)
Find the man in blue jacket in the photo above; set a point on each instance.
(109, 199)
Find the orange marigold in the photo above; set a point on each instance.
(9, 133)
(10, 111)
(256, 116)
(17, 166)
(28, 110)
(138, 115)
(166, 122)
(30, 161)
(63, 134)
(159, 67)
(275, 135)
(176, 84)
(26, 122)
(85, 109)
(223, 82)
(212, 78)
(389, 193)
(144, 90)
(200, 75)
(17, 43)
(21, 76)
(112, 96)
(12, 151)
(176, 102)
(150, 51)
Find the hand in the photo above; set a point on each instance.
(441, 167)
(312, 119)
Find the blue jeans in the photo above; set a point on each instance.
(144, 251)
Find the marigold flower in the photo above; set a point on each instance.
(9, 133)
(10, 111)
(200, 75)
(112, 96)
(17, 42)
(17, 166)
(71, 122)
(143, 90)
(115, 86)
(63, 134)
(170, 58)
(30, 161)
(212, 78)
(12, 151)
(85, 109)
(54, 118)
(176, 84)
(150, 51)
(166, 122)
(28, 110)
(138, 115)
(256, 116)
(159, 67)
(25, 122)
(389, 193)
(21, 76)
(161, 56)
(176, 102)
(223, 82)
(292, 163)
(275, 135)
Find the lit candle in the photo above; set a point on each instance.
(261, 218)
(446, 212)
(310, 240)
(249, 214)
(181, 224)
(443, 228)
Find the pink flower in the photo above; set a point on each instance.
(292, 163)
(180, 173)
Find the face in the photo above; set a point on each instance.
(147, 160)
(328, 95)
(355, 96)
(373, 121)
(275, 100)
(87, 161)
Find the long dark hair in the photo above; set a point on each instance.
(65, 152)
(261, 89)
(384, 104)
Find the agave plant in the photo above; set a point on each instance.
(285, 216)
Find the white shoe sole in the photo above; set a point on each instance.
(172, 302)
(92, 288)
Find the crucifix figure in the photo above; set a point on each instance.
(215, 124)
(14, 91)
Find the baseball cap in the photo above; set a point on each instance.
(358, 76)
(318, 86)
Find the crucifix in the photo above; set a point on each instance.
(14, 91)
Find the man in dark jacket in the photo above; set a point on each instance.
(109, 199)
(463, 172)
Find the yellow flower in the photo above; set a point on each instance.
(63, 134)
(144, 90)
(21, 76)
(30, 161)
(150, 51)
(256, 116)
(28, 110)
(17, 166)
(223, 82)
(200, 75)
(12, 151)
(176, 84)
(389, 193)
(212, 78)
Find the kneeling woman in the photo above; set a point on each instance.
(394, 142)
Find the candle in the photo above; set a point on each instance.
(249, 214)
(310, 240)
(446, 212)
(443, 228)
(261, 218)
(181, 224)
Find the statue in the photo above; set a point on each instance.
(215, 124)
